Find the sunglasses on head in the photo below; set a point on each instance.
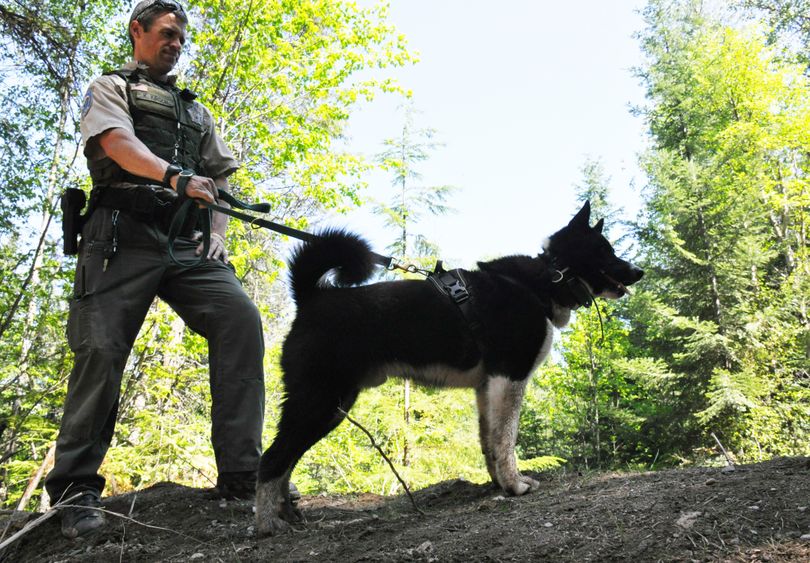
(165, 5)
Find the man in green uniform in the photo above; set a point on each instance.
(145, 142)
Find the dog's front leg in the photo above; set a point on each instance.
(274, 509)
(484, 431)
(504, 398)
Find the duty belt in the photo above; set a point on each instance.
(149, 204)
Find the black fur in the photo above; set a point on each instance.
(346, 253)
(346, 338)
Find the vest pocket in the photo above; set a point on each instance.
(154, 100)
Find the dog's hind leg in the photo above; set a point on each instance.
(484, 431)
(504, 398)
(304, 421)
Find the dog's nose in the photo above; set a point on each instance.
(638, 273)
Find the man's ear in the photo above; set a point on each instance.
(135, 29)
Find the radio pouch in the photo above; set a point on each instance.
(72, 201)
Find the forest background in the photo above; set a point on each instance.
(715, 340)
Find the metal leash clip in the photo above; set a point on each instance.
(410, 268)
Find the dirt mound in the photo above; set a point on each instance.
(757, 513)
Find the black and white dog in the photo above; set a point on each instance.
(486, 329)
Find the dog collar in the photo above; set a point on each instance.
(577, 288)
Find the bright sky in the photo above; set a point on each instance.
(521, 92)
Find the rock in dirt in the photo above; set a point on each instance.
(687, 519)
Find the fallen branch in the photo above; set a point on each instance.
(139, 523)
(47, 462)
(725, 453)
(385, 457)
(35, 523)
(66, 504)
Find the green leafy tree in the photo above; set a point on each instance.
(588, 407)
(410, 203)
(723, 239)
(45, 55)
(789, 21)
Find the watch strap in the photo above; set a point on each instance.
(171, 171)
(182, 181)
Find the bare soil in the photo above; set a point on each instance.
(758, 512)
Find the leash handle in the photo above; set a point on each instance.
(174, 229)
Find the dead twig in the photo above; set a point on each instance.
(36, 522)
(124, 526)
(139, 523)
(385, 457)
(66, 504)
(725, 453)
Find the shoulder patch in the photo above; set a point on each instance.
(87, 103)
(195, 111)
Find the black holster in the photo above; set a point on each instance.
(72, 201)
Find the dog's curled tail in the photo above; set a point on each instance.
(334, 249)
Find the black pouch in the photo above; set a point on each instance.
(72, 202)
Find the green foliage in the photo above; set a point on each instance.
(724, 237)
(411, 201)
(442, 434)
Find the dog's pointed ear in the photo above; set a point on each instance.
(599, 226)
(583, 216)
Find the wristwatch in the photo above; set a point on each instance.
(171, 171)
(182, 180)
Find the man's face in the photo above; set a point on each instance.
(160, 47)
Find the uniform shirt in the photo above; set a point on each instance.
(106, 107)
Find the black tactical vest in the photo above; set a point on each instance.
(166, 120)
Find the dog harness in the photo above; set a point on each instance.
(453, 284)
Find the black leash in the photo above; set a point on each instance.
(451, 283)
(256, 222)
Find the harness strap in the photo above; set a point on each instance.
(453, 284)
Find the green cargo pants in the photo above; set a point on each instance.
(109, 305)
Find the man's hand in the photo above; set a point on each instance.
(217, 250)
(133, 156)
(198, 187)
(219, 225)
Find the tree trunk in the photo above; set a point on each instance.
(33, 483)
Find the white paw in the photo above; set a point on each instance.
(274, 511)
(519, 485)
(271, 526)
(533, 484)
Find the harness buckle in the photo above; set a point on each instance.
(455, 287)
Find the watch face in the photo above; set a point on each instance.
(187, 173)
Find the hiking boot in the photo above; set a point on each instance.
(78, 520)
(236, 485)
(241, 485)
